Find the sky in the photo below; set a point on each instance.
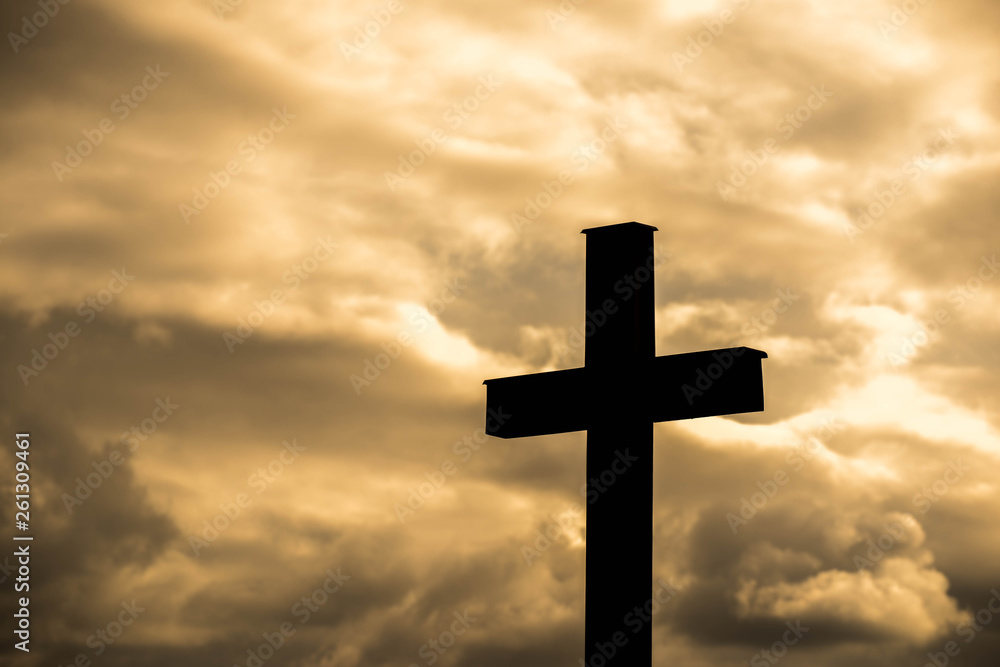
(256, 260)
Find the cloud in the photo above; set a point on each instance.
(427, 287)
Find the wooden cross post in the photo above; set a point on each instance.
(616, 397)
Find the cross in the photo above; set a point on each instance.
(616, 397)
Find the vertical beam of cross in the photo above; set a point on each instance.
(619, 354)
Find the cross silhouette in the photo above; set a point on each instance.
(616, 397)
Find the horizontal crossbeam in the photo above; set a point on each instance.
(681, 386)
